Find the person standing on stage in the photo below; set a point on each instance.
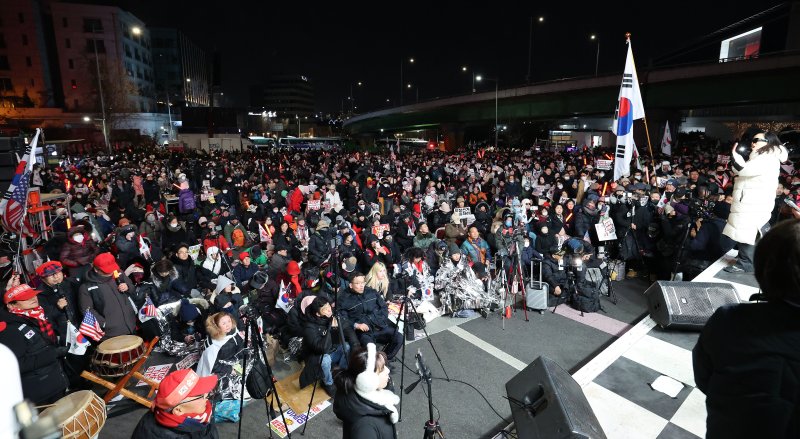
(753, 195)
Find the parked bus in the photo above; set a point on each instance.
(310, 143)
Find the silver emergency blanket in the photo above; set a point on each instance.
(461, 289)
(166, 343)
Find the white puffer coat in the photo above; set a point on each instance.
(753, 194)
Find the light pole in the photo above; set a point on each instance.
(352, 100)
(100, 90)
(530, 49)
(402, 62)
(597, 57)
(480, 78)
(465, 69)
(416, 89)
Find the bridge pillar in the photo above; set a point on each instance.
(453, 136)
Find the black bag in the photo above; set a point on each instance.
(258, 385)
(587, 298)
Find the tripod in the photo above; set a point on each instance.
(432, 427)
(570, 289)
(337, 316)
(516, 280)
(681, 249)
(404, 312)
(258, 342)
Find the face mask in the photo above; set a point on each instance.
(173, 225)
(78, 238)
(637, 177)
(508, 223)
(560, 186)
(544, 213)
(527, 243)
(643, 201)
(224, 191)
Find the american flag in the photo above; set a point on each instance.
(15, 199)
(148, 310)
(90, 327)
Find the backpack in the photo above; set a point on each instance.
(587, 300)
(238, 237)
(257, 381)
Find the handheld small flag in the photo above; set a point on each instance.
(77, 342)
(666, 142)
(148, 310)
(90, 327)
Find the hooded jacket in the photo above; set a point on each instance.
(363, 419)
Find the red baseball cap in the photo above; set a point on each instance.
(182, 384)
(106, 263)
(20, 292)
(49, 268)
(243, 255)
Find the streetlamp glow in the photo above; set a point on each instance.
(402, 62)
(136, 30)
(87, 119)
(529, 76)
(496, 95)
(188, 79)
(464, 69)
(593, 37)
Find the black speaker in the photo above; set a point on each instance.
(687, 305)
(547, 402)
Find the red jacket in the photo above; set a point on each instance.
(295, 201)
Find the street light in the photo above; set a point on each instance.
(530, 49)
(480, 78)
(352, 100)
(464, 69)
(105, 137)
(136, 30)
(593, 37)
(402, 62)
(416, 89)
(100, 90)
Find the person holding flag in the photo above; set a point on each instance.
(104, 293)
(629, 109)
(14, 204)
(26, 330)
(666, 142)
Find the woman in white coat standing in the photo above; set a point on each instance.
(753, 195)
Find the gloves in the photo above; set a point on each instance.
(61, 351)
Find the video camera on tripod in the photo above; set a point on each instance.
(700, 208)
(626, 197)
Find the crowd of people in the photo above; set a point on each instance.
(326, 243)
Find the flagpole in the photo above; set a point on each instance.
(649, 145)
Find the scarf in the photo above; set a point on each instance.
(475, 243)
(171, 420)
(38, 314)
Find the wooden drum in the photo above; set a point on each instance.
(80, 415)
(116, 356)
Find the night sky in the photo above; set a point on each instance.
(339, 43)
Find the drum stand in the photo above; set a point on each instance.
(119, 387)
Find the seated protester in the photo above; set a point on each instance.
(214, 239)
(226, 297)
(187, 321)
(181, 409)
(546, 241)
(395, 257)
(435, 255)
(236, 234)
(475, 248)
(349, 246)
(375, 251)
(458, 286)
(362, 402)
(417, 276)
(188, 271)
(223, 350)
(378, 279)
(78, 252)
(59, 297)
(244, 270)
(108, 298)
(528, 255)
(454, 231)
(272, 317)
(144, 288)
(279, 260)
(367, 311)
(319, 245)
(174, 234)
(213, 266)
(168, 282)
(152, 228)
(28, 333)
(320, 339)
(127, 243)
(424, 237)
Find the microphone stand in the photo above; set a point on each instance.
(432, 427)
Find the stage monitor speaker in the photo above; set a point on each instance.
(687, 305)
(548, 403)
